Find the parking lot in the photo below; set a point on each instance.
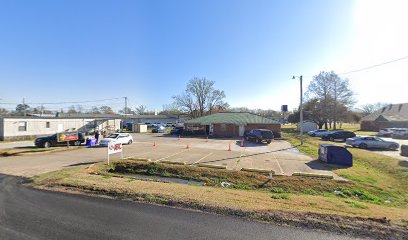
(278, 156)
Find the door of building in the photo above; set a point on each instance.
(241, 130)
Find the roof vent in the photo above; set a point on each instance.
(399, 108)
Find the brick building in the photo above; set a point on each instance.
(392, 116)
(232, 124)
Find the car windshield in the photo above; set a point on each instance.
(266, 134)
(113, 136)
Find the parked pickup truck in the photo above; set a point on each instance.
(259, 136)
(51, 141)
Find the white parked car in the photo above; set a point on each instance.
(318, 132)
(124, 138)
(372, 142)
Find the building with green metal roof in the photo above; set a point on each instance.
(233, 124)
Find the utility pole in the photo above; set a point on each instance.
(301, 109)
(24, 107)
(125, 105)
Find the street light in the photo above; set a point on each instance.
(301, 107)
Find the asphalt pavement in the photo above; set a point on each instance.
(27, 213)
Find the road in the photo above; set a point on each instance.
(8, 145)
(27, 213)
(277, 156)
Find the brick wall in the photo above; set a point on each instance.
(225, 130)
(272, 127)
(377, 125)
(231, 130)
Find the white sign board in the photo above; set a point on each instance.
(114, 148)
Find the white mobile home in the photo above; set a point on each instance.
(16, 128)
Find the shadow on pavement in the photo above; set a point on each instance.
(80, 164)
(318, 165)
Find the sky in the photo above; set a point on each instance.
(80, 50)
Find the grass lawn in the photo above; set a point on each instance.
(384, 178)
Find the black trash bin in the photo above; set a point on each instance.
(335, 154)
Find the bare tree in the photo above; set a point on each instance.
(185, 104)
(106, 110)
(72, 110)
(200, 98)
(141, 109)
(371, 108)
(94, 110)
(215, 100)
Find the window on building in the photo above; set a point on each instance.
(22, 126)
(47, 125)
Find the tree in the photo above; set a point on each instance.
(94, 110)
(72, 110)
(106, 110)
(126, 110)
(3, 111)
(371, 108)
(170, 109)
(200, 98)
(141, 109)
(333, 94)
(22, 108)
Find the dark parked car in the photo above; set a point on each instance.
(51, 141)
(343, 135)
(177, 130)
(159, 129)
(259, 135)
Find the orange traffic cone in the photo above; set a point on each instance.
(229, 147)
(242, 143)
(154, 144)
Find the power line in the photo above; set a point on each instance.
(367, 68)
(374, 66)
(87, 101)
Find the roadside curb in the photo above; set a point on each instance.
(211, 166)
(171, 162)
(138, 159)
(265, 171)
(312, 175)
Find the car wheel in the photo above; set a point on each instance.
(363, 146)
(269, 142)
(47, 145)
(130, 142)
(77, 143)
(331, 139)
(393, 147)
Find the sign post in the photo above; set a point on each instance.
(114, 148)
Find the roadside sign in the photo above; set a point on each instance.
(67, 136)
(115, 148)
